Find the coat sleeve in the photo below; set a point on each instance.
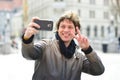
(92, 64)
(32, 51)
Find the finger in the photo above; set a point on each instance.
(78, 32)
(87, 44)
(34, 25)
(34, 18)
(73, 34)
(33, 31)
(84, 40)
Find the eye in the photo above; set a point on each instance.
(70, 27)
(62, 26)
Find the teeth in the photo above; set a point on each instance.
(66, 34)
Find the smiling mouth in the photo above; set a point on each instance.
(66, 34)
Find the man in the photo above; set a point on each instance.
(59, 58)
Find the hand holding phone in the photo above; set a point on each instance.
(45, 25)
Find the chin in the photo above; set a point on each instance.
(66, 40)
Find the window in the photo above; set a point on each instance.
(106, 2)
(79, 0)
(102, 31)
(95, 31)
(58, 0)
(106, 15)
(88, 31)
(109, 31)
(92, 1)
(92, 14)
(116, 31)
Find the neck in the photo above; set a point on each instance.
(67, 44)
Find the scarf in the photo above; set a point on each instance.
(66, 51)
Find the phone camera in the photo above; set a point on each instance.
(49, 25)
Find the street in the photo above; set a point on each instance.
(14, 67)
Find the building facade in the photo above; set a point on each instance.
(95, 17)
(8, 8)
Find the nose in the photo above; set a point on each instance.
(66, 29)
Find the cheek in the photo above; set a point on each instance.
(59, 30)
(73, 32)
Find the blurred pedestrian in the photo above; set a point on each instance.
(14, 44)
(59, 58)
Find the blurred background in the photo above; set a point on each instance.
(100, 22)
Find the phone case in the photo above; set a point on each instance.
(44, 25)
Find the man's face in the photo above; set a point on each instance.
(66, 28)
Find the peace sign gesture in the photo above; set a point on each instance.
(82, 40)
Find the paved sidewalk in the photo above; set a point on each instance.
(111, 62)
(15, 67)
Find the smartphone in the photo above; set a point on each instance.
(45, 25)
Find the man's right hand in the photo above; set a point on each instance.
(30, 30)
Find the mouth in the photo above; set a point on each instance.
(66, 34)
